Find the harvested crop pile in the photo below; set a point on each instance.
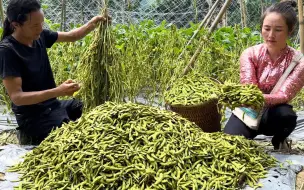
(237, 95)
(130, 146)
(192, 89)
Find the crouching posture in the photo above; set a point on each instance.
(263, 65)
(27, 75)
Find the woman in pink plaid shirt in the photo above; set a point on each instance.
(263, 65)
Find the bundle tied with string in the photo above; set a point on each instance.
(195, 97)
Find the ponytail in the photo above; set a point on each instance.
(7, 29)
(17, 11)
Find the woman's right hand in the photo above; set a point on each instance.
(67, 88)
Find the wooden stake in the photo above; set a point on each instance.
(219, 16)
(63, 16)
(262, 7)
(210, 12)
(200, 47)
(199, 27)
(224, 20)
(300, 8)
(243, 13)
(1, 12)
(209, 17)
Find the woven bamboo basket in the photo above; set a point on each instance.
(205, 115)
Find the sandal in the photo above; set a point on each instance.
(285, 145)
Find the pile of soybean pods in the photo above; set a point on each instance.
(132, 146)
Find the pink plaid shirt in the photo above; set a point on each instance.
(257, 68)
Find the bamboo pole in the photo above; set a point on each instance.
(262, 7)
(241, 10)
(243, 13)
(61, 19)
(82, 15)
(208, 17)
(210, 12)
(300, 8)
(199, 49)
(199, 27)
(220, 15)
(63, 15)
(225, 19)
(1, 12)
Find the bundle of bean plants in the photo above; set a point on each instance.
(147, 60)
(132, 146)
(92, 72)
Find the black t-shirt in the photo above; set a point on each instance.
(31, 64)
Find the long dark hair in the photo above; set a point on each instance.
(287, 10)
(17, 11)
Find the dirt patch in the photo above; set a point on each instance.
(297, 148)
(300, 181)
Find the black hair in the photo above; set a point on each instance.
(17, 11)
(287, 9)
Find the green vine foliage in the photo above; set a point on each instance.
(147, 58)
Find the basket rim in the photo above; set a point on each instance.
(192, 106)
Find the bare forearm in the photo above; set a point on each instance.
(29, 98)
(79, 33)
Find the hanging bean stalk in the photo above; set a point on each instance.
(131, 146)
(92, 70)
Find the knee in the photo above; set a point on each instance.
(284, 111)
(235, 126)
(75, 110)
